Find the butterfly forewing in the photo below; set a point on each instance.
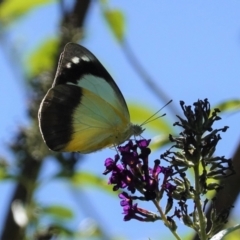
(79, 66)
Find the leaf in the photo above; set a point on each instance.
(140, 114)
(87, 179)
(160, 126)
(224, 232)
(12, 10)
(159, 141)
(43, 59)
(3, 168)
(58, 230)
(231, 105)
(58, 211)
(115, 20)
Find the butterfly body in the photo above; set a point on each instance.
(84, 110)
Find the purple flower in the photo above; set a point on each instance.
(134, 174)
(157, 169)
(110, 164)
(143, 143)
(126, 199)
(130, 210)
(126, 148)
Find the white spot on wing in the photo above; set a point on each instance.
(69, 65)
(75, 60)
(85, 58)
(70, 83)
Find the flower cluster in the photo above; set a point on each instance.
(192, 150)
(134, 174)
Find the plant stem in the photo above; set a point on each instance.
(201, 216)
(165, 220)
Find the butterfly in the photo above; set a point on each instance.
(84, 110)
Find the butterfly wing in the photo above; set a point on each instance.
(84, 110)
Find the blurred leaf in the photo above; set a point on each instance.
(115, 19)
(231, 105)
(2, 173)
(58, 211)
(234, 234)
(89, 229)
(85, 179)
(224, 232)
(3, 168)
(139, 114)
(43, 59)
(104, 1)
(12, 10)
(160, 126)
(53, 231)
(159, 141)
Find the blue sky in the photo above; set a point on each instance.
(190, 48)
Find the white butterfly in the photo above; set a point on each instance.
(84, 111)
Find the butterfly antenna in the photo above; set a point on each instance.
(150, 118)
(156, 118)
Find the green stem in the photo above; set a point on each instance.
(165, 219)
(197, 199)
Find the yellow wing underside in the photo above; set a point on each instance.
(97, 124)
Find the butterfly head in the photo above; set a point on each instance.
(137, 130)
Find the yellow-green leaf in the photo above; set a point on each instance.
(160, 126)
(139, 114)
(58, 211)
(222, 234)
(87, 179)
(11, 10)
(159, 141)
(115, 20)
(231, 105)
(43, 59)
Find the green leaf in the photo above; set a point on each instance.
(87, 179)
(12, 10)
(139, 114)
(224, 232)
(115, 20)
(231, 105)
(160, 126)
(159, 141)
(58, 211)
(3, 168)
(104, 2)
(60, 230)
(43, 59)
